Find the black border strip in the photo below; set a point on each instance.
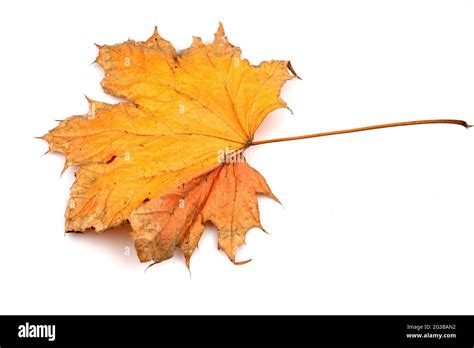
(164, 331)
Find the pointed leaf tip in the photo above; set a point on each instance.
(290, 67)
(220, 33)
(240, 263)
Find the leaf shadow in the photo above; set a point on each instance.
(116, 243)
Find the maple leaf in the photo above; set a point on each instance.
(170, 158)
(138, 159)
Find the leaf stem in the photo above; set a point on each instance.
(362, 129)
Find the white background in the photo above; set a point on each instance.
(372, 223)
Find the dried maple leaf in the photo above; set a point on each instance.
(169, 159)
(183, 111)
